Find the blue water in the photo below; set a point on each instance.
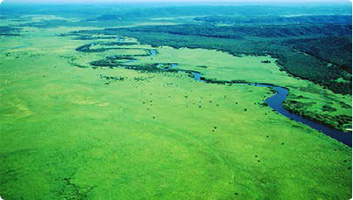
(131, 61)
(21, 47)
(169, 66)
(197, 76)
(152, 52)
(173, 65)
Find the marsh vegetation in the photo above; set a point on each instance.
(150, 102)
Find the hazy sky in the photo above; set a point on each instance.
(127, 1)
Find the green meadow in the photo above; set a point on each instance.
(71, 130)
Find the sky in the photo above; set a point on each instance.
(126, 1)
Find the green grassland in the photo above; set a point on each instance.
(70, 130)
(305, 95)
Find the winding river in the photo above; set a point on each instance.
(276, 103)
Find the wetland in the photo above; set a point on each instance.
(145, 101)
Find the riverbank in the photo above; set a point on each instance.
(275, 101)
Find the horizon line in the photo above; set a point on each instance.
(174, 1)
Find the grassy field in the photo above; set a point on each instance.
(67, 132)
(218, 65)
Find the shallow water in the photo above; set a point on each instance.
(173, 65)
(152, 52)
(131, 61)
(21, 47)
